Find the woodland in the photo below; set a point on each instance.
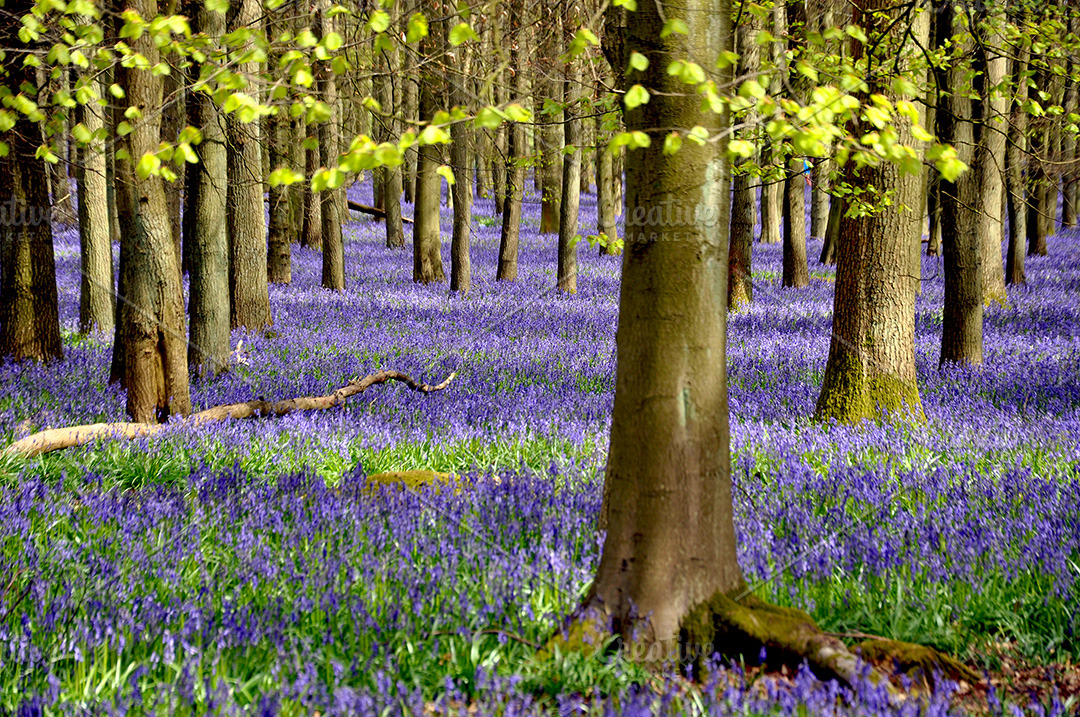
(557, 357)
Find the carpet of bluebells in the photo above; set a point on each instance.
(248, 567)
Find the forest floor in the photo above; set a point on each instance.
(250, 566)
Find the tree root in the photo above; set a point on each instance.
(55, 439)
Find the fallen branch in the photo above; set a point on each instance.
(373, 211)
(55, 439)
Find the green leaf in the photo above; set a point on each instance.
(630, 5)
(672, 143)
(332, 41)
(674, 25)
(489, 118)
(740, 148)
(445, 171)
(417, 29)
(379, 21)
(149, 164)
(462, 33)
(284, 176)
(218, 6)
(636, 96)
(434, 135)
(638, 61)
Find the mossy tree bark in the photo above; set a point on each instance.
(961, 331)
(151, 329)
(97, 303)
(571, 178)
(330, 200)
(427, 232)
(517, 150)
(248, 288)
(208, 243)
(29, 307)
(871, 366)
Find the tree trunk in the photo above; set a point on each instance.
(427, 232)
(330, 204)
(670, 537)
(571, 181)
(551, 135)
(961, 331)
(63, 212)
(173, 114)
(29, 307)
(871, 366)
(517, 149)
(283, 223)
(605, 195)
(1069, 145)
(248, 289)
(1037, 179)
(832, 231)
(153, 332)
(395, 228)
(208, 244)
(1016, 157)
(97, 305)
(740, 290)
(796, 272)
(461, 162)
(311, 232)
(409, 174)
(990, 221)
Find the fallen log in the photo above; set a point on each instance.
(373, 211)
(55, 439)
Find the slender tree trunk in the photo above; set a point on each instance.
(571, 183)
(1037, 180)
(173, 113)
(395, 228)
(153, 330)
(796, 272)
(283, 225)
(248, 289)
(501, 147)
(670, 540)
(991, 222)
(605, 196)
(961, 333)
(97, 305)
(832, 231)
(412, 91)
(63, 212)
(871, 366)
(551, 135)
(311, 232)
(29, 307)
(1015, 157)
(740, 291)
(209, 304)
(1071, 103)
(516, 150)
(330, 204)
(461, 162)
(427, 232)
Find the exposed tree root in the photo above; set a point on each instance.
(741, 629)
(55, 439)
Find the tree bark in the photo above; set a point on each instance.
(796, 272)
(427, 232)
(395, 228)
(152, 329)
(990, 220)
(571, 182)
(173, 114)
(282, 231)
(311, 231)
(208, 244)
(97, 303)
(550, 136)
(517, 150)
(740, 291)
(1016, 157)
(248, 288)
(871, 366)
(832, 231)
(1037, 179)
(670, 539)
(461, 162)
(330, 204)
(29, 306)
(961, 332)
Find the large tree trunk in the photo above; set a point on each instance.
(995, 105)
(330, 204)
(571, 183)
(670, 538)
(283, 223)
(248, 289)
(516, 150)
(395, 228)
(97, 304)
(961, 332)
(173, 114)
(152, 327)
(311, 231)
(871, 366)
(461, 161)
(1069, 146)
(208, 243)
(427, 232)
(1016, 158)
(29, 308)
